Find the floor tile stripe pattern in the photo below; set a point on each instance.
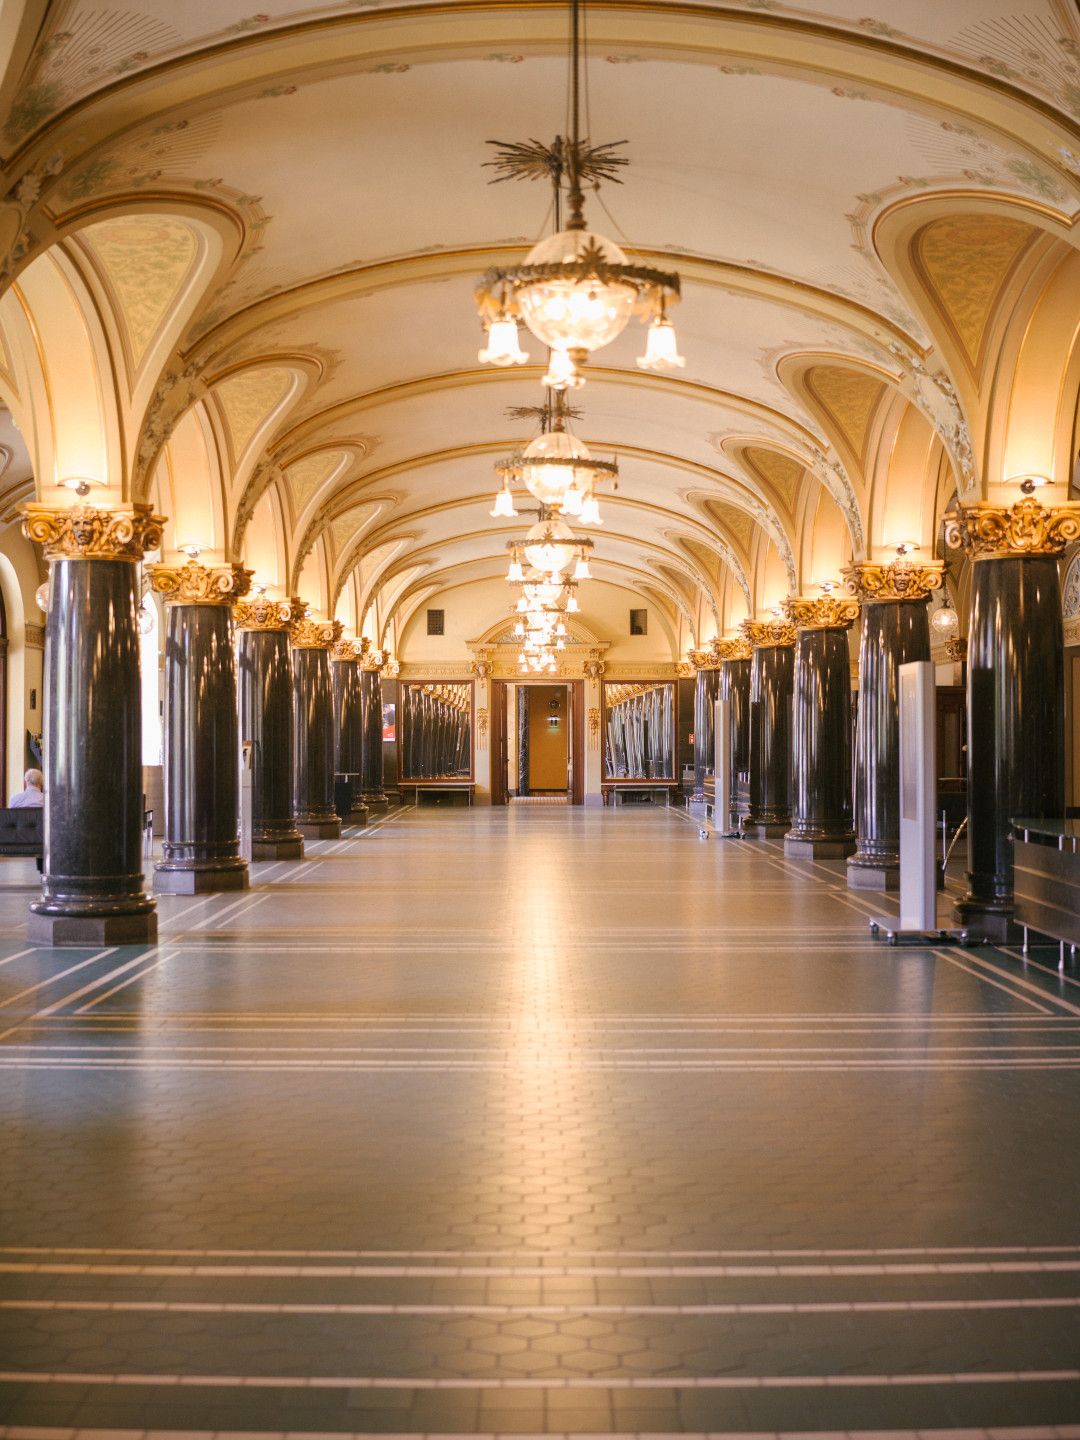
(398, 1145)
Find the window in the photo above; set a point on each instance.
(639, 622)
(436, 622)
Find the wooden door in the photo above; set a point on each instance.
(576, 692)
(498, 742)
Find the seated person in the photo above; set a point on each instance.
(32, 797)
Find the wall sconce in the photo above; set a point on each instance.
(1029, 483)
(80, 484)
(191, 551)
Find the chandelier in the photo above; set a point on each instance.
(556, 467)
(576, 290)
(549, 547)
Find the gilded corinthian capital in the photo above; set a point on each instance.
(1003, 532)
(737, 648)
(822, 612)
(195, 584)
(874, 581)
(307, 634)
(704, 659)
(262, 613)
(372, 660)
(93, 532)
(346, 651)
(768, 634)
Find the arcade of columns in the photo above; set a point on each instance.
(309, 704)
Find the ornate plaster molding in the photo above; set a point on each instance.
(93, 532)
(768, 634)
(1006, 532)
(308, 634)
(737, 648)
(873, 581)
(821, 612)
(262, 613)
(195, 584)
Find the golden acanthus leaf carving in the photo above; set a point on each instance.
(93, 532)
(768, 634)
(308, 634)
(1002, 532)
(262, 613)
(876, 581)
(195, 584)
(372, 660)
(704, 659)
(346, 651)
(737, 648)
(821, 612)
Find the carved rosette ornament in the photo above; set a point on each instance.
(823, 612)
(737, 648)
(93, 532)
(1010, 532)
(873, 582)
(262, 613)
(768, 634)
(308, 634)
(195, 584)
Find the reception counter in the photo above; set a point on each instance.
(1046, 869)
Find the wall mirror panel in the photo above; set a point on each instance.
(435, 725)
(639, 731)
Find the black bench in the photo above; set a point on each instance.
(22, 831)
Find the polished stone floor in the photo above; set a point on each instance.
(535, 1121)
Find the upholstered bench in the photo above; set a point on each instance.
(22, 831)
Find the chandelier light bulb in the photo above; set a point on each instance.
(549, 546)
(563, 372)
(661, 349)
(945, 621)
(515, 572)
(504, 505)
(579, 310)
(590, 511)
(146, 620)
(572, 605)
(503, 346)
(519, 630)
(572, 500)
(581, 569)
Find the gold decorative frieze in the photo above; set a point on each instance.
(262, 613)
(874, 581)
(737, 648)
(821, 612)
(195, 584)
(1008, 532)
(308, 634)
(93, 532)
(768, 634)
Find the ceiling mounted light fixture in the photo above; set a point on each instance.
(556, 467)
(576, 290)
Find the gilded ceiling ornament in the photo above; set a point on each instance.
(871, 581)
(263, 613)
(1002, 532)
(735, 649)
(308, 634)
(93, 532)
(195, 584)
(822, 612)
(768, 634)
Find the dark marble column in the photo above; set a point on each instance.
(349, 722)
(313, 728)
(895, 630)
(266, 723)
(821, 805)
(734, 685)
(371, 752)
(93, 891)
(1016, 692)
(771, 677)
(201, 850)
(706, 685)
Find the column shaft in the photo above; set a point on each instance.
(734, 685)
(705, 692)
(372, 793)
(93, 890)
(348, 732)
(313, 759)
(1016, 729)
(202, 844)
(266, 723)
(771, 675)
(821, 819)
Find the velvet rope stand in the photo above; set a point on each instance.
(93, 890)
(821, 806)
(1016, 692)
(895, 630)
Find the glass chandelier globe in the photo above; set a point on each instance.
(945, 621)
(554, 484)
(549, 546)
(580, 309)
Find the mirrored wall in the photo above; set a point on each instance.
(435, 728)
(639, 733)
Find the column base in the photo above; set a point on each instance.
(796, 847)
(765, 829)
(206, 879)
(873, 875)
(358, 815)
(93, 930)
(319, 829)
(983, 920)
(292, 849)
(377, 804)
